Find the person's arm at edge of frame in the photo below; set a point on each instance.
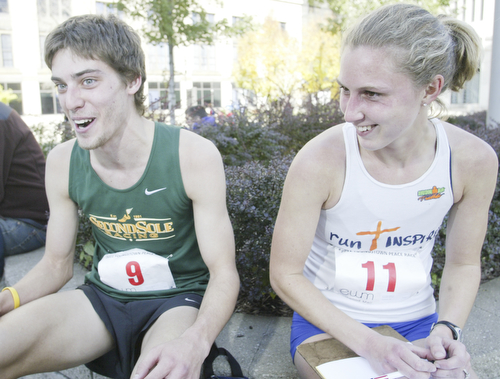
(475, 169)
(205, 185)
(304, 194)
(55, 268)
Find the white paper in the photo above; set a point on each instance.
(348, 368)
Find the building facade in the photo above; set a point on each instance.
(202, 73)
(475, 96)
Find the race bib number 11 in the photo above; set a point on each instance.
(136, 270)
(384, 276)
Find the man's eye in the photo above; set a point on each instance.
(60, 87)
(88, 82)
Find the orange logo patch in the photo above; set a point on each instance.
(434, 193)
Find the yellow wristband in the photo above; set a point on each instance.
(15, 295)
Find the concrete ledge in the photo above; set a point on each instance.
(261, 344)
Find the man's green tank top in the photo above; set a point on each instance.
(154, 215)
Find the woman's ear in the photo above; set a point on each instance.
(433, 89)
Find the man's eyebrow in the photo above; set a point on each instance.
(79, 74)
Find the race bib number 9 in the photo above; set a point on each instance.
(378, 275)
(136, 270)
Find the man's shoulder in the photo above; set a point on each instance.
(5, 111)
(62, 151)
(191, 140)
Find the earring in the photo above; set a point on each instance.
(424, 104)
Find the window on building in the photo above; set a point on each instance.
(158, 58)
(469, 94)
(158, 95)
(4, 6)
(48, 99)
(242, 97)
(204, 55)
(106, 8)
(207, 94)
(16, 90)
(210, 17)
(54, 8)
(283, 25)
(204, 58)
(7, 58)
(42, 52)
(235, 40)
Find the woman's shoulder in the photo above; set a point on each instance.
(327, 146)
(468, 147)
(320, 166)
(474, 162)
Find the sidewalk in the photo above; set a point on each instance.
(260, 343)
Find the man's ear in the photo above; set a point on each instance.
(433, 89)
(134, 85)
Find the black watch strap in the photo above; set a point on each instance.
(455, 330)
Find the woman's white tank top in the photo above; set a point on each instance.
(371, 255)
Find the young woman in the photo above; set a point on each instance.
(363, 202)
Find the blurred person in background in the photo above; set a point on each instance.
(23, 202)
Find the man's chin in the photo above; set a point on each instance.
(89, 145)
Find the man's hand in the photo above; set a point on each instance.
(176, 359)
(449, 356)
(387, 354)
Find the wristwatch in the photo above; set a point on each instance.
(457, 332)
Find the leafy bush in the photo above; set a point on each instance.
(490, 256)
(257, 149)
(254, 195)
(49, 135)
(302, 124)
(242, 139)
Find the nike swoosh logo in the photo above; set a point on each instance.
(191, 300)
(154, 191)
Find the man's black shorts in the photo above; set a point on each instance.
(128, 323)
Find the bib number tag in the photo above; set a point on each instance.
(136, 270)
(379, 275)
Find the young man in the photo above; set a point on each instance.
(23, 203)
(164, 242)
(196, 117)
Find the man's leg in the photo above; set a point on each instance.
(21, 236)
(52, 333)
(170, 325)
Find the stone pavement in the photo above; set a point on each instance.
(260, 343)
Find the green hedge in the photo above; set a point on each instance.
(257, 148)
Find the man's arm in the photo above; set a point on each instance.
(6, 153)
(204, 182)
(56, 266)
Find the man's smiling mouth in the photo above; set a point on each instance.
(82, 124)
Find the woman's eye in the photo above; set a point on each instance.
(344, 89)
(371, 94)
